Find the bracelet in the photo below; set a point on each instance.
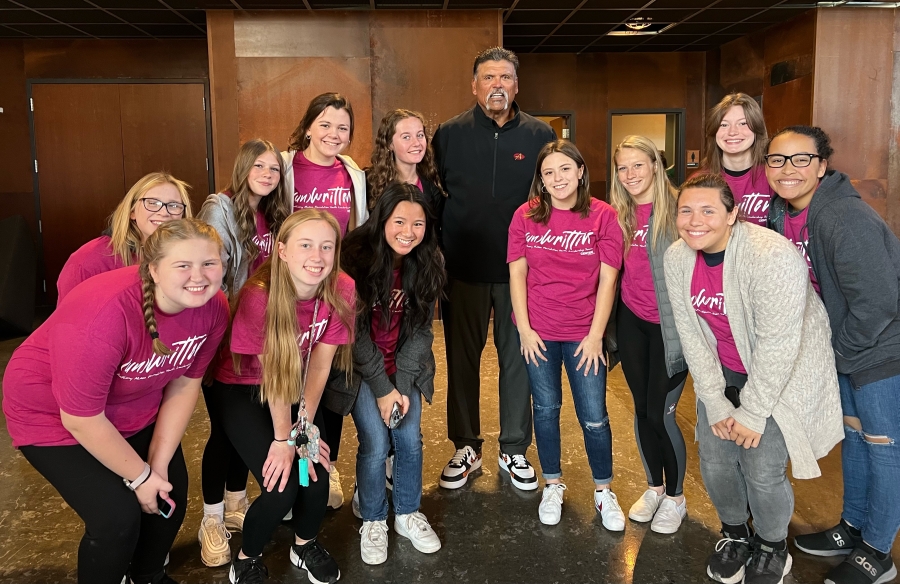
(133, 485)
(277, 440)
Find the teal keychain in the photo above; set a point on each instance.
(305, 436)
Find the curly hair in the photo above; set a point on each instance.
(818, 135)
(384, 170)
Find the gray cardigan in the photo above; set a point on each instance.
(218, 211)
(782, 335)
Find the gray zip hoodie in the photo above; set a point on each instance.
(856, 259)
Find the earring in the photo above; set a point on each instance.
(543, 188)
(581, 181)
(308, 136)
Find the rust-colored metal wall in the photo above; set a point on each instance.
(380, 60)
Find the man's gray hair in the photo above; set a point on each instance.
(496, 54)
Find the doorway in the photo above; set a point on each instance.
(562, 122)
(92, 140)
(664, 127)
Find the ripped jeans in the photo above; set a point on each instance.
(872, 467)
(589, 395)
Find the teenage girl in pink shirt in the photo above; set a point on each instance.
(647, 341)
(246, 215)
(98, 398)
(319, 176)
(736, 141)
(564, 255)
(153, 200)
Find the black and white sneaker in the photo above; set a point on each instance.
(319, 565)
(863, 566)
(521, 473)
(728, 562)
(767, 565)
(837, 541)
(249, 571)
(464, 462)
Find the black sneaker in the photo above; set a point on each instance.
(319, 565)
(457, 471)
(767, 565)
(521, 473)
(862, 566)
(837, 541)
(249, 571)
(728, 562)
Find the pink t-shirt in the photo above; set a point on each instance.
(386, 338)
(328, 188)
(94, 355)
(795, 229)
(92, 258)
(708, 300)
(263, 241)
(564, 260)
(248, 334)
(638, 293)
(751, 193)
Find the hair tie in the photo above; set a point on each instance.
(154, 335)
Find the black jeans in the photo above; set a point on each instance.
(248, 424)
(467, 314)
(656, 396)
(117, 534)
(222, 467)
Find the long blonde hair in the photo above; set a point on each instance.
(126, 237)
(664, 195)
(155, 249)
(282, 365)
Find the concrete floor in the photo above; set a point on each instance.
(490, 530)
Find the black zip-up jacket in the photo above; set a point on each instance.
(856, 259)
(486, 171)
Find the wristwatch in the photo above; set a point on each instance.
(140, 480)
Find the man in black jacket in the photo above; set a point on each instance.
(486, 159)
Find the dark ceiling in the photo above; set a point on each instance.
(546, 26)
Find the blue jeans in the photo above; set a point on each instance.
(374, 443)
(872, 470)
(589, 395)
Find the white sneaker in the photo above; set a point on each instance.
(457, 471)
(644, 508)
(415, 527)
(234, 518)
(335, 493)
(354, 502)
(550, 509)
(214, 548)
(668, 518)
(373, 544)
(607, 505)
(521, 473)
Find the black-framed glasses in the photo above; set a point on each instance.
(155, 205)
(799, 160)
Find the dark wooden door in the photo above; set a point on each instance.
(164, 128)
(94, 141)
(78, 139)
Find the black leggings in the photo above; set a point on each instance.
(117, 534)
(222, 467)
(332, 426)
(655, 395)
(248, 424)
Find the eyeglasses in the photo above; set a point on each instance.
(154, 205)
(801, 160)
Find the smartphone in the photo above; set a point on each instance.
(396, 416)
(165, 506)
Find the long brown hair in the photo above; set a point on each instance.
(384, 169)
(540, 199)
(125, 236)
(282, 364)
(664, 195)
(155, 249)
(274, 206)
(712, 162)
(299, 140)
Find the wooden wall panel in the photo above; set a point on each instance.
(742, 66)
(273, 94)
(115, 58)
(81, 178)
(15, 147)
(591, 121)
(892, 215)
(164, 128)
(789, 103)
(223, 92)
(301, 33)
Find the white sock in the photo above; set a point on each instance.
(233, 499)
(216, 510)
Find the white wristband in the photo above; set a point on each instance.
(133, 485)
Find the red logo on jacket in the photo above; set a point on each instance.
(519, 156)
